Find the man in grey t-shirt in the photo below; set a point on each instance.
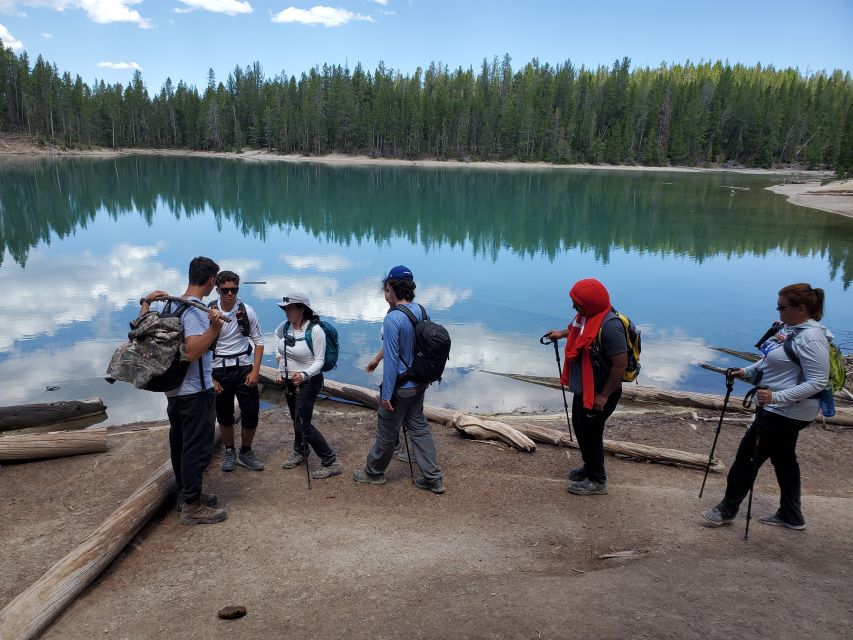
(190, 407)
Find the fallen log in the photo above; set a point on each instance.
(35, 608)
(32, 415)
(743, 355)
(641, 452)
(638, 393)
(52, 445)
(491, 430)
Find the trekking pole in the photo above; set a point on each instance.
(730, 385)
(408, 455)
(747, 401)
(542, 340)
(301, 430)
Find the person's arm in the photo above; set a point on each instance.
(557, 334)
(318, 342)
(195, 346)
(618, 365)
(814, 360)
(371, 366)
(391, 357)
(145, 301)
(257, 337)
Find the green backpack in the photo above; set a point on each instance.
(837, 370)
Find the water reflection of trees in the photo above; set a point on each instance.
(525, 212)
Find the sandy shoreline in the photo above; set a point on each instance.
(835, 197)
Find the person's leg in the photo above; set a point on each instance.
(249, 400)
(782, 448)
(225, 406)
(290, 396)
(305, 411)
(420, 436)
(748, 460)
(580, 424)
(199, 417)
(595, 421)
(387, 430)
(176, 438)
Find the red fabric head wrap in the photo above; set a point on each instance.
(593, 297)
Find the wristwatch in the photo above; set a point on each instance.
(143, 301)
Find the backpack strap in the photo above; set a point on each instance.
(409, 314)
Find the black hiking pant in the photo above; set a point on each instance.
(301, 405)
(775, 437)
(233, 382)
(193, 423)
(589, 430)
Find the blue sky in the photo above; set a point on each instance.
(183, 38)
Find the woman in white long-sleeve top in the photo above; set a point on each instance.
(300, 352)
(786, 406)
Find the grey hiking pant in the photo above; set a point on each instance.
(408, 403)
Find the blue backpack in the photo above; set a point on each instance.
(332, 342)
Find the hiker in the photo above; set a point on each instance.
(786, 405)
(300, 366)
(400, 403)
(190, 407)
(236, 365)
(596, 357)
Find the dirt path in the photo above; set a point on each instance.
(506, 553)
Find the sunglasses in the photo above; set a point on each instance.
(227, 290)
(782, 307)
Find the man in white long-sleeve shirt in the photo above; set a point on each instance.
(236, 365)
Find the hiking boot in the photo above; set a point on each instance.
(776, 521)
(578, 473)
(208, 499)
(403, 456)
(587, 488)
(716, 517)
(436, 486)
(247, 459)
(293, 461)
(359, 475)
(327, 471)
(229, 462)
(199, 513)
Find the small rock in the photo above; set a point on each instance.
(231, 613)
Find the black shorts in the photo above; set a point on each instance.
(232, 381)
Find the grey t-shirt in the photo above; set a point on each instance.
(613, 342)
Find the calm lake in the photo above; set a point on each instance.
(695, 262)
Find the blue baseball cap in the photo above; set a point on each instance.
(399, 272)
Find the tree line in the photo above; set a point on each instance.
(680, 114)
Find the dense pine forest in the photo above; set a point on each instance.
(683, 114)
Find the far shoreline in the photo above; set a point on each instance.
(806, 189)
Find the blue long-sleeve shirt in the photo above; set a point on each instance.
(398, 342)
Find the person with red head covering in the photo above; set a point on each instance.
(596, 357)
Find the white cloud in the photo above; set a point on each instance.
(384, 3)
(100, 11)
(9, 40)
(228, 7)
(119, 65)
(92, 285)
(318, 262)
(46, 35)
(326, 16)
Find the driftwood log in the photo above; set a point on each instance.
(491, 430)
(641, 452)
(638, 393)
(33, 415)
(34, 609)
(52, 445)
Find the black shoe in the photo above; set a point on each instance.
(436, 486)
(578, 474)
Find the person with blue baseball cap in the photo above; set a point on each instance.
(401, 398)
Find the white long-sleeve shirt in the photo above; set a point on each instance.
(793, 386)
(298, 358)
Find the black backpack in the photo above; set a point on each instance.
(172, 377)
(432, 349)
